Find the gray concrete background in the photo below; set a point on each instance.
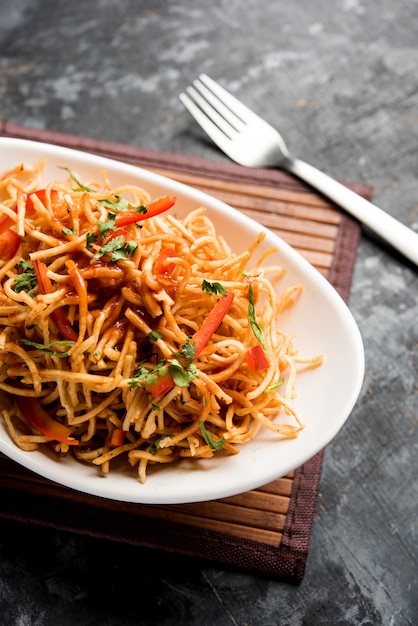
(339, 78)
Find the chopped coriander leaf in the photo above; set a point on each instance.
(187, 351)
(130, 247)
(256, 328)
(141, 209)
(25, 265)
(180, 375)
(26, 281)
(154, 447)
(118, 248)
(214, 288)
(274, 386)
(193, 371)
(109, 224)
(120, 204)
(145, 377)
(68, 231)
(73, 177)
(154, 335)
(47, 347)
(214, 444)
(91, 238)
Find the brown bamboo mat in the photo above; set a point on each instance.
(265, 530)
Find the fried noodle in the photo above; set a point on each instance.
(117, 343)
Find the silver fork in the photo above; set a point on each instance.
(249, 140)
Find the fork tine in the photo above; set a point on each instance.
(217, 136)
(210, 110)
(234, 105)
(223, 112)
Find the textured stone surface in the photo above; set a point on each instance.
(339, 79)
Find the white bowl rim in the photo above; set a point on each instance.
(259, 462)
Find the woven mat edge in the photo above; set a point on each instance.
(287, 561)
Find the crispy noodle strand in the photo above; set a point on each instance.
(81, 347)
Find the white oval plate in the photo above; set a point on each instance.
(322, 322)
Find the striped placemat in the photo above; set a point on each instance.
(265, 530)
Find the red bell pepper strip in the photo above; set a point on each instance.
(256, 358)
(161, 265)
(9, 243)
(44, 283)
(199, 339)
(5, 223)
(9, 240)
(38, 417)
(80, 286)
(118, 233)
(163, 384)
(153, 208)
(57, 316)
(77, 278)
(117, 438)
(212, 322)
(42, 195)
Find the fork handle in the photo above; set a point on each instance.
(402, 238)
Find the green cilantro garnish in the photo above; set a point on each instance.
(214, 444)
(154, 447)
(120, 204)
(179, 366)
(108, 225)
(118, 248)
(91, 238)
(154, 335)
(257, 330)
(145, 377)
(26, 281)
(187, 351)
(274, 386)
(214, 288)
(130, 248)
(68, 231)
(25, 265)
(80, 186)
(182, 376)
(47, 347)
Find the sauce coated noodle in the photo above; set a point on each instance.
(130, 336)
